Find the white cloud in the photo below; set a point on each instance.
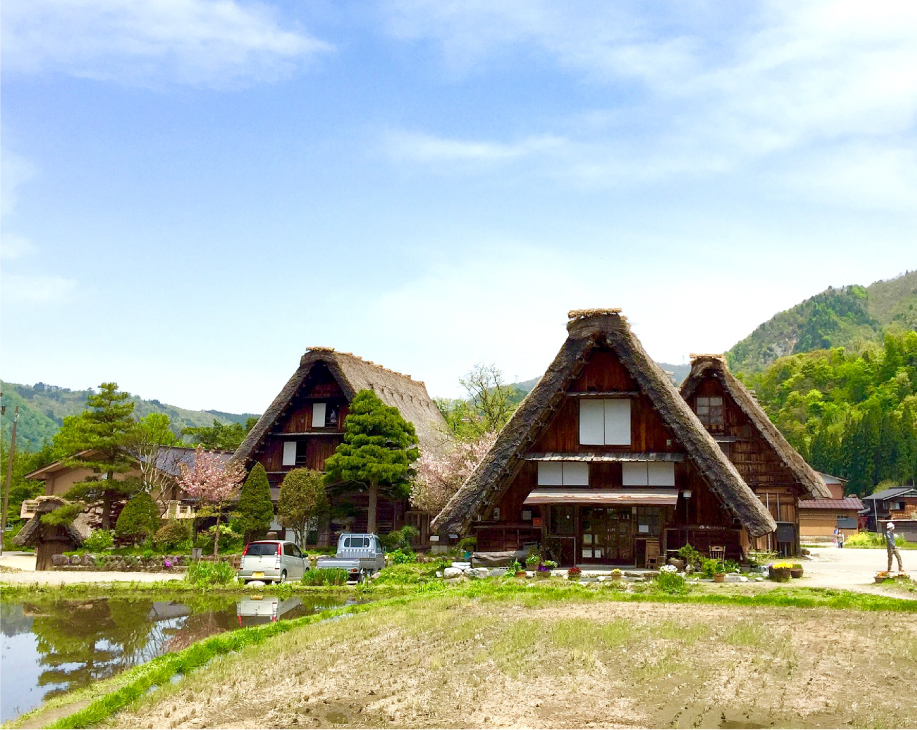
(428, 148)
(14, 246)
(27, 289)
(708, 94)
(151, 42)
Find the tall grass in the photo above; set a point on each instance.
(325, 577)
(205, 574)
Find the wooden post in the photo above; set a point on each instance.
(9, 479)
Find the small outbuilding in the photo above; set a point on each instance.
(51, 540)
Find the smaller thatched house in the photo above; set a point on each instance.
(51, 540)
(774, 470)
(305, 424)
(605, 463)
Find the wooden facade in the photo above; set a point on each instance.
(773, 470)
(305, 424)
(652, 480)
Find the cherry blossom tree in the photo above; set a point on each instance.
(439, 477)
(213, 482)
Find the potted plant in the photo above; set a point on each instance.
(542, 572)
(796, 570)
(616, 574)
(574, 573)
(678, 563)
(693, 559)
(882, 575)
(532, 561)
(516, 569)
(780, 571)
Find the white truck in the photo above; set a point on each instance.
(360, 554)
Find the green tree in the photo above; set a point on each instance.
(494, 400)
(24, 462)
(219, 436)
(302, 499)
(377, 453)
(139, 519)
(97, 440)
(148, 442)
(254, 510)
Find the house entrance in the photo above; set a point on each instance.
(606, 535)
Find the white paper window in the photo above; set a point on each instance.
(634, 474)
(591, 421)
(660, 474)
(604, 422)
(318, 415)
(617, 422)
(563, 474)
(289, 453)
(551, 473)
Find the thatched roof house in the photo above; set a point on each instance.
(602, 361)
(305, 424)
(774, 470)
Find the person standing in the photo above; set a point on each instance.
(891, 548)
(837, 533)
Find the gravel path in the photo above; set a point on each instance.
(24, 565)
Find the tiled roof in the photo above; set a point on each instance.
(846, 503)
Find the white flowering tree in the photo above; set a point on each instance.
(212, 482)
(439, 477)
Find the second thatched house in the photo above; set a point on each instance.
(305, 424)
(605, 463)
(774, 470)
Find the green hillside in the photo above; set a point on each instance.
(848, 317)
(42, 409)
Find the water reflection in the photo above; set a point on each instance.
(53, 647)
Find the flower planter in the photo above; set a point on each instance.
(781, 575)
(719, 577)
(796, 572)
(520, 574)
(678, 563)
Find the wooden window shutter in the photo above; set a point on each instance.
(576, 474)
(617, 422)
(634, 474)
(660, 474)
(551, 473)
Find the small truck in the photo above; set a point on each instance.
(360, 554)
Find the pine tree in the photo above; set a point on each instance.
(104, 431)
(254, 510)
(378, 450)
(139, 519)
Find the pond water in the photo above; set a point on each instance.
(53, 646)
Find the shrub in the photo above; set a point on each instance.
(691, 556)
(402, 556)
(230, 540)
(710, 566)
(98, 541)
(673, 583)
(467, 544)
(325, 577)
(399, 575)
(870, 539)
(203, 574)
(254, 510)
(172, 534)
(139, 519)
(399, 539)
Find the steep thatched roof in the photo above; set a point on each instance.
(587, 329)
(354, 374)
(714, 366)
(78, 531)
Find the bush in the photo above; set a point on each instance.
(870, 539)
(98, 541)
(673, 583)
(325, 577)
(254, 510)
(230, 540)
(173, 535)
(203, 574)
(691, 556)
(139, 519)
(399, 539)
(402, 556)
(399, 575)
(710, 566)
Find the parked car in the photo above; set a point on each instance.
(360, 554)
(272, 561)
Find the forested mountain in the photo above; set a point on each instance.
(849, 317)
(42, 409)
(679, 372)
(851, 414)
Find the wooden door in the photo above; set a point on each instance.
(606, 535)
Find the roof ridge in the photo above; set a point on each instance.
(367, 362)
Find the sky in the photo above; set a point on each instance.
(194, 192)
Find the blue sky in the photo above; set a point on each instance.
(195, 192)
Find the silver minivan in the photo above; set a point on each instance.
(272, 561)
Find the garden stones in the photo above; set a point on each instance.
(452, 573)
(57, 560)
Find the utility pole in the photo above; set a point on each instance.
(9, 478)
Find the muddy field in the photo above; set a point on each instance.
(458, 662)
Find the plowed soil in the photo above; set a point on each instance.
(459, 662)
